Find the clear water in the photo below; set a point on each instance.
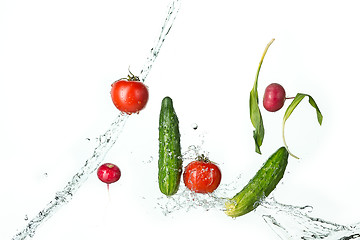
(174, 8)
(287, 221)
(296, 222)
(104, 142)
(186, 200)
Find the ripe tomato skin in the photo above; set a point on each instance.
(108, 173)
(129, 96)
(202, 176)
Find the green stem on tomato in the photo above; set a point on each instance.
(130, 76)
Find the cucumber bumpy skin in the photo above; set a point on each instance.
(260, 186)
(170, 161)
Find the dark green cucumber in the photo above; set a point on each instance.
(260, 186)
(170, 162)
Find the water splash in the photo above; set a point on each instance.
(194, 126)
(105, 141)
(174, 8)
(295, 222)
(287, 221)
(186, 200)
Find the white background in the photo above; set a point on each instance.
(59, 58)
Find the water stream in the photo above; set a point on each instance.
(104, 144)
(296, 222)
(287, 221)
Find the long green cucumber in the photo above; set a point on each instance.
(260, 186)
(170, 161)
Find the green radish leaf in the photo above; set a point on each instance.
(255, 114)
(257, 122)
(290, 109)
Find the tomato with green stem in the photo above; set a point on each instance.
(129, 95)
(202, 176)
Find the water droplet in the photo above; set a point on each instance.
(307, 209)
(194, 126)
(150, 160)
(26, 217)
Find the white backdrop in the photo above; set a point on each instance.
(59, 58)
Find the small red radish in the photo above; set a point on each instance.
(274, 97)
(108, 173)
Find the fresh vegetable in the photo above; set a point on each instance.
(109, 173)
(260, 186)
(129, 95)
(274, 97)
(291, 108)
(202, 176)
(170, 161)
(255, 114)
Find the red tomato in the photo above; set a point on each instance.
(129, 96)
(108, 173)
(202, 176)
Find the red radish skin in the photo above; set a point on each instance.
(108, 173)
(274, 97)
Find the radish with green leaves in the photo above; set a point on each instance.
(274, 99)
